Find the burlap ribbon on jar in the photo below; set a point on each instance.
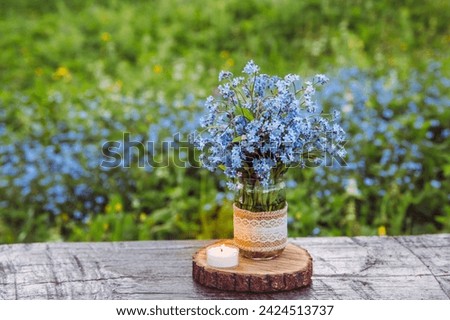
(260, 231)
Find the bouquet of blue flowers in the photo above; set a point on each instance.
(260, 125)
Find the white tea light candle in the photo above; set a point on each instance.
(222, 256)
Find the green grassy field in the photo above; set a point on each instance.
(76, 74)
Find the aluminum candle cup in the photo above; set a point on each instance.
(222, 256)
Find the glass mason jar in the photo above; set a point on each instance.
(260, 218)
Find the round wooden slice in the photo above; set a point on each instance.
(291, 270)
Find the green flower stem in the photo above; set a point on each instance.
(254, 196)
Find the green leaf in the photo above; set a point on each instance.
(222, 167)
(245, 113)
(237, 139)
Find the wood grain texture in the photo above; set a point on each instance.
(414, 267)
(291, 270)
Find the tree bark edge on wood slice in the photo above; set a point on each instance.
(291, 270)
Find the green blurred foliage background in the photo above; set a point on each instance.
(74, 74)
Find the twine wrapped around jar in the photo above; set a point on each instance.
(260, 231)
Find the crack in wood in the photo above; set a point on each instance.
(88, 280)
(329, 289)
(80, 266)
(16, 292)
(360, 287)
(357, 276)
(370, 262)
(358, 242)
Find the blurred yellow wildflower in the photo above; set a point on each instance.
(224, 54)
(64, 217)
(105, 226)
(382, 231)
(118, 207)
(38, 72)
(105, 37)
(143, 216)
(229, 62)
(62, 73)
(157, 69)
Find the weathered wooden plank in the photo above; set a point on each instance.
(434, 252)
(415, 267)
(362, 256)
